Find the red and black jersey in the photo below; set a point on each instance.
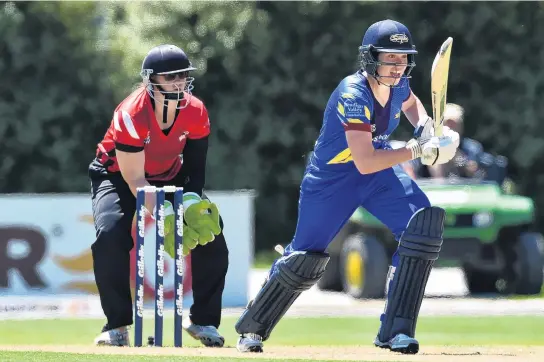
(134, 128)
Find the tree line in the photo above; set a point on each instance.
(266, 70)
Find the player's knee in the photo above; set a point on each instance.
(112, 232)
(310, 244)
(216, 250)
(420, 199)
(298, 271)
(222, 251)
(425, 202)
(424, 234)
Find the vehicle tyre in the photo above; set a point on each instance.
(331, 280)
(528, 266)
(480, 281)
(363, 267)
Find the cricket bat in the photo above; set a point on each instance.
(439, 84)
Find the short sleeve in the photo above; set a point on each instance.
(354, 111)
(129, 134)
(200, 127)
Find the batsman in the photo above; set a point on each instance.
(353, 165)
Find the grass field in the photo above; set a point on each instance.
(316, 339)
(264, 259)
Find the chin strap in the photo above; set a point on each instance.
(380, 83)
(165, 111)
(165, 103)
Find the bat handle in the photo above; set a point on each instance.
(438, 132)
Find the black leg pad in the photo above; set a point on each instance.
(290, 276)
(419, 248)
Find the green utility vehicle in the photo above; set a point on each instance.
(487, 233)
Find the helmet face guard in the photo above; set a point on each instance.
(181, 92)
(173, 65)
(370, 62)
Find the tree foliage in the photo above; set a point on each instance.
(266, 70)
(53, 102)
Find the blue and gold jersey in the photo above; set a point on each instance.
(353, 106)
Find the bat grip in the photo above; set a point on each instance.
(438, 131)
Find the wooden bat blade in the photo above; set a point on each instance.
(439, 83)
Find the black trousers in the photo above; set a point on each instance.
(114, 206)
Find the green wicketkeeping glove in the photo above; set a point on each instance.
(202, 216)
(190, 236)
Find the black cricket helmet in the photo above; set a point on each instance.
(171, 62)
(386, 36)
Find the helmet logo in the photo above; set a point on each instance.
(399, 38)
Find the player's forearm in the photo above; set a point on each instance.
(415, 111)
(381, 159)
(131, 165)
(136, 183)
(194, 165)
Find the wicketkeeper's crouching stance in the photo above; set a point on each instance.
(353, 165)
(150, 129)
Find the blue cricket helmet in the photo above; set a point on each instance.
(386, 36)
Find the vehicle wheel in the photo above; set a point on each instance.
(480, 281)
(331, 280)
(529, 264)
(364, 265)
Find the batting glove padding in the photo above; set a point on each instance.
(433, 150)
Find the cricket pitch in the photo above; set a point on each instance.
(337, 353)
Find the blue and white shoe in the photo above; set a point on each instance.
(400, 343)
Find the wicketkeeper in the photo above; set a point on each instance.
(158, 136)
(353, 165)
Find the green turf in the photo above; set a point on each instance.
(264, 259)
(63, 357)
(322, 331)
(523, 297)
